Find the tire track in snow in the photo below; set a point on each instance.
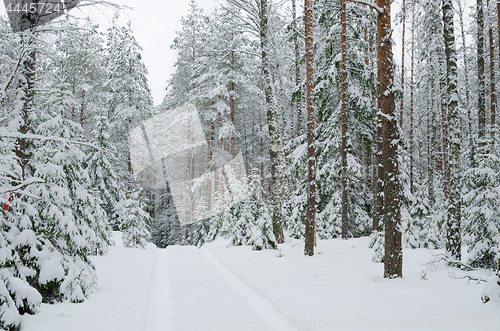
(160, 306)
(263, 305)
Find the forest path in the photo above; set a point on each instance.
(192, 290)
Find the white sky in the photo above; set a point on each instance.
(154, 23)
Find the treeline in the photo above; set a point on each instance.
(69, 96)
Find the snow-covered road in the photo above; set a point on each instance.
(174, 289)
(219, 288)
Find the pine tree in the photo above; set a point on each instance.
(393, 252)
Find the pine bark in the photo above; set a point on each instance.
(480, 72)
(453, 238)
(272, 123)
(311, 125)
(492, 73)
(345, 216)
(393, 259)
(403, 65)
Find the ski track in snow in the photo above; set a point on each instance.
(160, 314)
(208, 296)
(264, 306)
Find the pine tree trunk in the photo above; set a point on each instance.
(272, 123)
(492, 73)
(403, 65)
(393, 259)
(311, 125)
(453, 238)
(480, 72)
(345, 216)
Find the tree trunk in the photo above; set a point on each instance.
(411, 93)
(453, 239)
(345, 216)
(28, 71)
(466, 74)
(430, 151)
(272, 123)
(311, 125)
(403, 65)
(444, 138)
(298, 103)
(378, 171)
(492, 73)
(480, 72)
(232, 106)
(393, 259)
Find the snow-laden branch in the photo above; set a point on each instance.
(369, 4)
(23, 185)
(18, 135)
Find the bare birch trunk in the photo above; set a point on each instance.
(411, 92)
(272, 123)
(453, 238)
(466, 74)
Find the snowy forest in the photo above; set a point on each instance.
(340, 138)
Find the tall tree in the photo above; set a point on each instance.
(272, 123)
(343, 41)
(403, 8)
(481, 102)
(493, 92)
(298, 97)
(311, 126)
(453, 238)
(412, 78)
(393, 259)
(466, 83)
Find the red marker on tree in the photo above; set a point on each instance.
(7, 204)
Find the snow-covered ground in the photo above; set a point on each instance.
(237, 289)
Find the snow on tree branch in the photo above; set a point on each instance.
(370, 4)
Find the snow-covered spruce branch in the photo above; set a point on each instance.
(369, 4)
(23, 185)
(8, 134)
